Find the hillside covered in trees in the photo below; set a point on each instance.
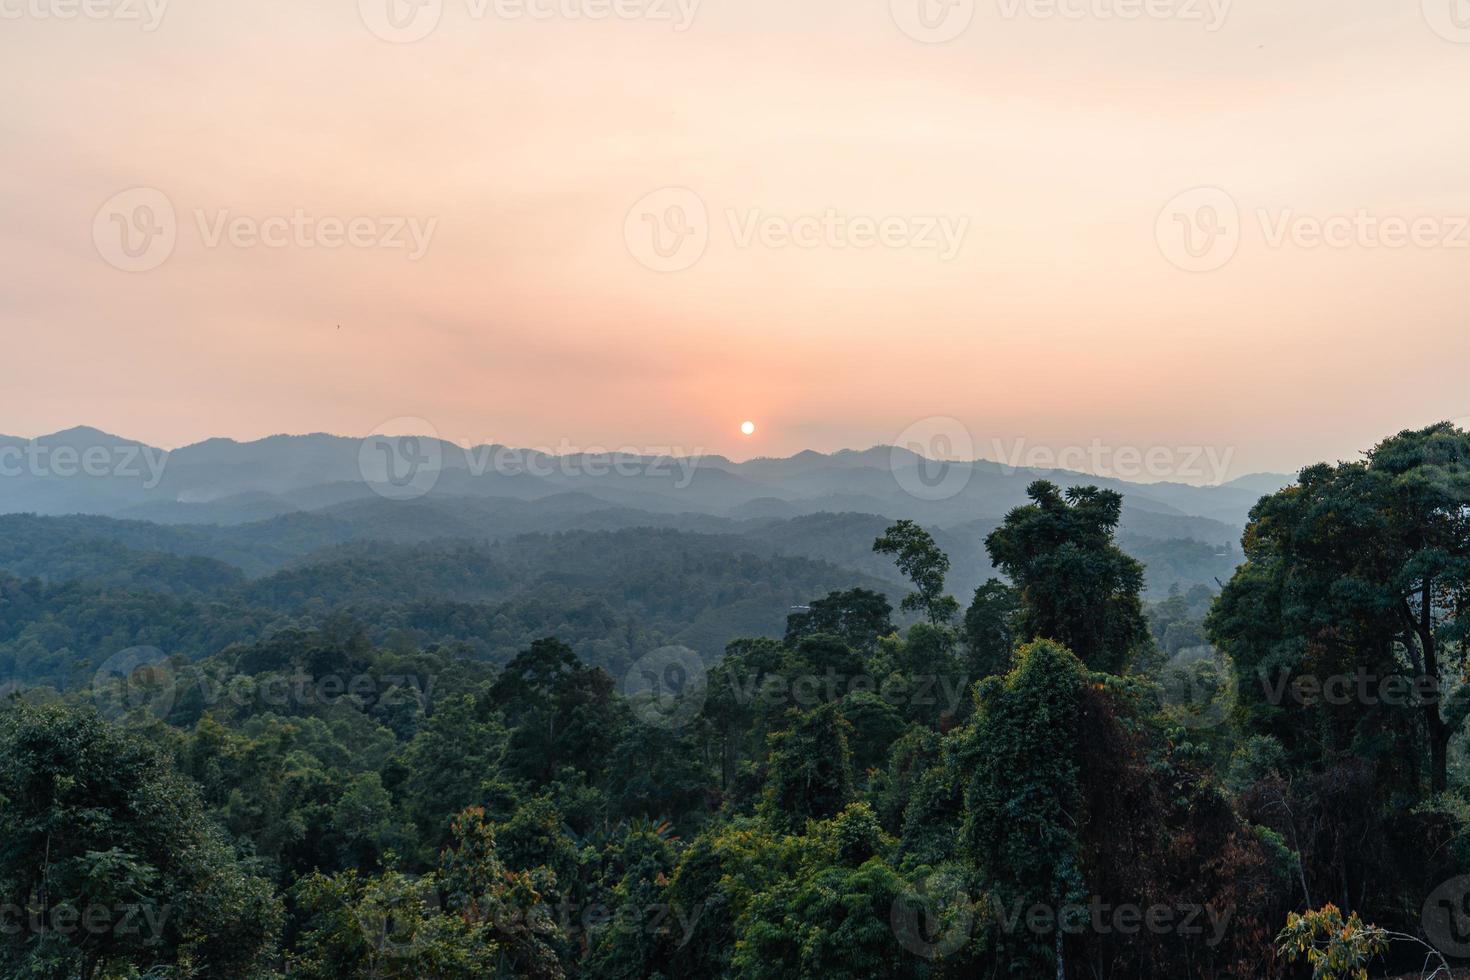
(696, 748)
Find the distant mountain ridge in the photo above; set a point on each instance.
(224, 481)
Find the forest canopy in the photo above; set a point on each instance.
(517, 759)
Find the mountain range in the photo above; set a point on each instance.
(262, 505)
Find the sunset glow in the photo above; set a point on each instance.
(508, 169)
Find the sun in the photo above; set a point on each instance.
(748, 428)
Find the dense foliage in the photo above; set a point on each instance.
(399, 761)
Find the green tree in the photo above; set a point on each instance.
(1024, 802)
(858, 616)
(388, 926)
(810, 771)
(1077, 586)
(832, 916)
(919, 558)
(108, 850)
(1360, 571)
(561, 712)
(479, 889)
(444, 767)
(990, 629)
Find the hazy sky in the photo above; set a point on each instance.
(857, 228)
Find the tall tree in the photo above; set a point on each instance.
(919, 558)
(561, 711)
(1024, 801)
(1077, 586)
(990, 628)
(1360, 571)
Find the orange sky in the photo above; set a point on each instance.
(519, 145)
